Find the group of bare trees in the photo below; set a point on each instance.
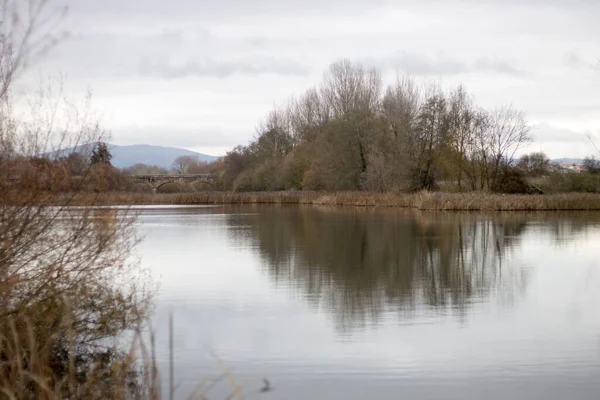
(191, 165)
(351, 132)
(181, 165)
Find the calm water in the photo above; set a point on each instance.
(386, 304)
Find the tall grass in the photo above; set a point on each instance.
(28, 369)
(476, 201)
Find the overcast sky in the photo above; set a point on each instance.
(200, 74)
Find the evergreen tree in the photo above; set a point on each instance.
(100, 154)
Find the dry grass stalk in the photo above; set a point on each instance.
(476, 201)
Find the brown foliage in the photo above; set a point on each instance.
(105, 177)
(67, 282)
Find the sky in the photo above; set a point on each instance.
(201, 74)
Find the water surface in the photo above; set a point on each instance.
(344, 303)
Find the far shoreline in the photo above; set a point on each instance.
(426, 201)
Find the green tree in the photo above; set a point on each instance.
(100, 154)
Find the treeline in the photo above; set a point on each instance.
(69, 172)
(353, 133)
(88, 168)
(181, 165)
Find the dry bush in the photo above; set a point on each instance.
(141, 188)
(244, 182)
(51, 257)
(311, 181)
(202, 187)
(511, 181)
(57, 367)
(105, 177)
(68, 283)
(293, 168)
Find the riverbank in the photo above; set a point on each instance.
(476, 201)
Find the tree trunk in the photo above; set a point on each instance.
(363, 159)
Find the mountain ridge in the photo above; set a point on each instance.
(162, 156)
(568, 160)
(128, 155)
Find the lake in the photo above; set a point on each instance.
(344, 303)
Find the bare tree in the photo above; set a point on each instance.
(480, 151)
(592, 165)
(308, 114)
(593, 142)
(401, 106)
(143, 169)
(428, 139)
(507, 132)
(55, 125)
(66, 276)
(27, 31)
(349, 87)
(461, 118)
(180, 165)
(184, 164)
(353, 95)
(390, 160)
(274, 136)
(534, 164)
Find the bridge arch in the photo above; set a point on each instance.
(157, 181)
(161, 184)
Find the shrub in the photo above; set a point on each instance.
(104, 177)
(510, 181)
(572, 182)
(244, 182)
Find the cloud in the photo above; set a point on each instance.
(495, 65)
(574, 60)
(421, 64)
(548, 133)
(177, 136)
(169, 54)
(207, 9)
(210, 8)
(160, 66)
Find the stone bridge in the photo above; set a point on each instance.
(156, 181)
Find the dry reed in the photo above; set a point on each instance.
(27, 370)
(476, 201)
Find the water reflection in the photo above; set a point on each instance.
(357, 264)
(401, 304)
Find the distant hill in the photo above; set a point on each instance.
(126, 156)
(568, 160)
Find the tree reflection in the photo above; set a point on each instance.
(355, 263)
